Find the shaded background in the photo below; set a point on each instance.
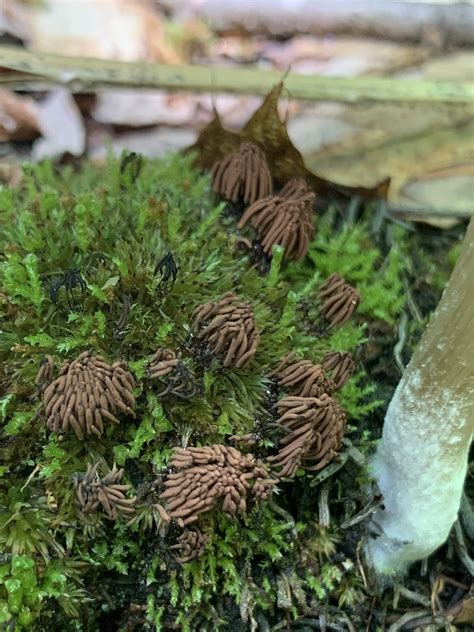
(426, 150)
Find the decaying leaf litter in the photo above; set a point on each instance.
(192, 543)
(348, 144)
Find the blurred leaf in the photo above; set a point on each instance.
(266, 129)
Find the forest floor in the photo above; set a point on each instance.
(427, 154)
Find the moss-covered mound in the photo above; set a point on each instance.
(102, 275)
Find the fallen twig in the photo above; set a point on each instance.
(80, 73)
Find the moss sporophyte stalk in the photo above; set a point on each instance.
(163, 420)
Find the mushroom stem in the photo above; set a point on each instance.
(421, 461)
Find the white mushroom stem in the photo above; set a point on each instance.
(421, 461)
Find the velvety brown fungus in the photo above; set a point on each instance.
(302, 377)
(339, 366)
(45, 375)
(295, 188)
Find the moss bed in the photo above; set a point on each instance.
(289, 562)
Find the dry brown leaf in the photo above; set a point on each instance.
(18, 117)
(214, 142)
(368, 127)
(61, 125)
(427, 155)
(266, 129)
(450, 188)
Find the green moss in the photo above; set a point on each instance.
(114, 227)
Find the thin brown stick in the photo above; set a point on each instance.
(82, 74)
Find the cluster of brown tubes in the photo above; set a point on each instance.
(306, 379)
(338, 300)
(87, 392)
(242, 174)
(313, 420)
(295, 188)
(227, 328)
(314, 427)
(190, 545)
(45, 374)
(172, 372)
(302, 377)
(211, 474)
(285, 219)
(340, 366)
(93, 493)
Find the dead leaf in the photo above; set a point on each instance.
(427, 159)
(266, 129)
(61, 125)
(369, 127)
(213, 143)
(18, 117)
(443, 190)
